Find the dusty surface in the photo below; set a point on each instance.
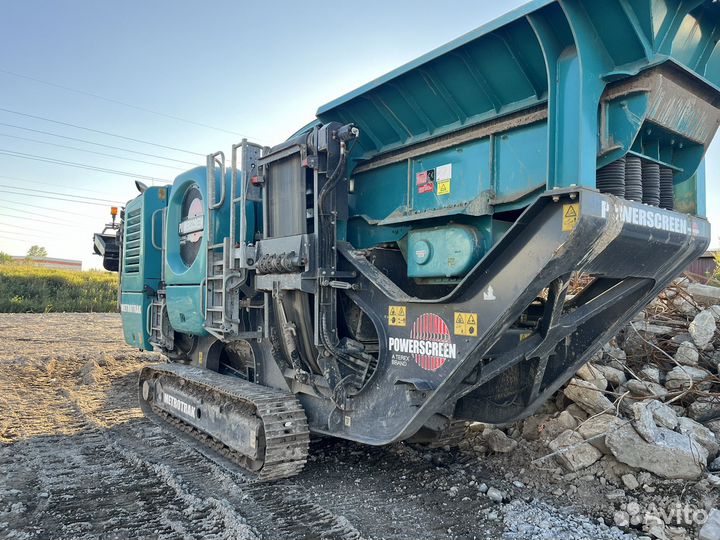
(78, 460)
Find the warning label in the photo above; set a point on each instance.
(443, 187)
(397, 315)
(571, 214)
(426, 188)
(465, 324)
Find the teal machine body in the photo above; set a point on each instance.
(404, 261)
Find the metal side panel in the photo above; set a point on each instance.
(429, 360)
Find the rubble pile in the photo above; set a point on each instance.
(643, 415)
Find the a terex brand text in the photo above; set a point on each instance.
(648, 218)
(423, 347)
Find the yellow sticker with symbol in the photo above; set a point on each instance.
(397, 315)
(443, 188)
(466, 324)
(571, 214)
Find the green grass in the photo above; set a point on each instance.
(30, 289)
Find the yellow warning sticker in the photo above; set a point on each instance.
(571, 214)
(466, 324)
(397, 315)
(524, 336)
(443, 188)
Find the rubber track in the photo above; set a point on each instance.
(286, 447)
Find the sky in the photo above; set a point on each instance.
(176, 80)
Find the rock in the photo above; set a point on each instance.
(495, 495)
(664, 415)
(577, 412)
(650, 373)
(592, 375)
(614, 376)
(587, 396)
(483, 488)
(704, 294)
(680, 377)
(498, 441)
(88, 372)
(644, 422)
(704, 409)
(687, 354)
(654, 329)
(595, 429)
(533, 426)
(711, 528)
(646, 389)
(574, 453)
(684, 306)
(621, 518)
(702, 328)
(700, 434)
(632, 508)
(681, 338)
(630, 481)
(672, 455)
(715, 310)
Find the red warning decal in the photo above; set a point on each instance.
(430, 342)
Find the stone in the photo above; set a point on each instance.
(644, 422)
(630, 481)
(702, 328)
(587, 396)
(703, 410)
(663, 415)
(573, 453)
(495, 495)
(533, 426)
(498, 441)
(621, 518)
(700, 434)
(680, 378)
(715, 310)
(671, 456)
(646, 389)
(577, 412)
(706, 295)
(684, 306)
(594, 430)
(632, 508)
(592, 375)
(650, 373)
(687, 354)
(614, 376)
(711, 528)
(655, 329)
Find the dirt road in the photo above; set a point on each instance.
(78, 460)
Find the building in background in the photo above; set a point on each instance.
(50, 262)
(704, 267)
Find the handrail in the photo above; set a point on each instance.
(212, 159)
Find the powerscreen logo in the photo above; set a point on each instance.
(430, 342)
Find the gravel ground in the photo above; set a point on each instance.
(79, 461)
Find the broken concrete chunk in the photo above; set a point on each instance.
(687, 354)
(644, 423)
(704, 294)
(593, 375)
(587, 396)
(672, 455)
(595, 429)
(704, 409)
(614, 376)
(573, 453)
(680, 377)
(700, 434)
(702, 328)
(664, 415)
(497, 441)
(646, 389)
